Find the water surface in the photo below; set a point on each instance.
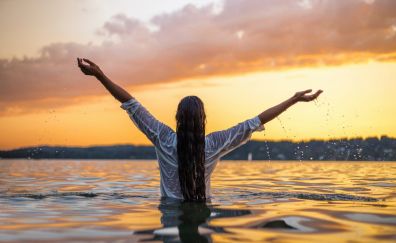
(71, 200)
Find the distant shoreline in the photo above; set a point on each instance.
(357, 149)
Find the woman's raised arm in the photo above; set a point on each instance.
(275, 111)
(155, 131)
(91, 69)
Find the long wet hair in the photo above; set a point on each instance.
(190, 129)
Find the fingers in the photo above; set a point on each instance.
(317, 93)
(302, 93)
(313, 96)
(82, 66)
(79, 62)
(306, 92)
(89, 61)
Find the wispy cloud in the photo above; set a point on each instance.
(238, 37)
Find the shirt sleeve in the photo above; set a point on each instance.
(223, 142)
(154, 130)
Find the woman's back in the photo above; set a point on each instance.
(217, 144)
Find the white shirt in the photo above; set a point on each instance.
(217, 144)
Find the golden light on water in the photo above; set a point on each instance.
(123, 201)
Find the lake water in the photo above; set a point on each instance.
(107, 201)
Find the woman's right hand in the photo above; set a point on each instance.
(90, 68)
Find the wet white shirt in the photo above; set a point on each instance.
(164, 139)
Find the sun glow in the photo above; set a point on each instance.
(351, 106)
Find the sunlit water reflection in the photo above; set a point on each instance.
(69, 200)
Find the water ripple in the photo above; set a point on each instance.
(312, 196)
(116, 195)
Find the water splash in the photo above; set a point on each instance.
(283, 127)
(299, 154)
(267, 149)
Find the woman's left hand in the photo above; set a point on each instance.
(89, 69)
(304, 96)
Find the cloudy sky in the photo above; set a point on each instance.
(239, 56)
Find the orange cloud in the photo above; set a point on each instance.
(243, 36)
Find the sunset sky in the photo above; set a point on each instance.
(239, 56)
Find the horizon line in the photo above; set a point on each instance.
(252, 140)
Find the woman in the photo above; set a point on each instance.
(187, 158)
